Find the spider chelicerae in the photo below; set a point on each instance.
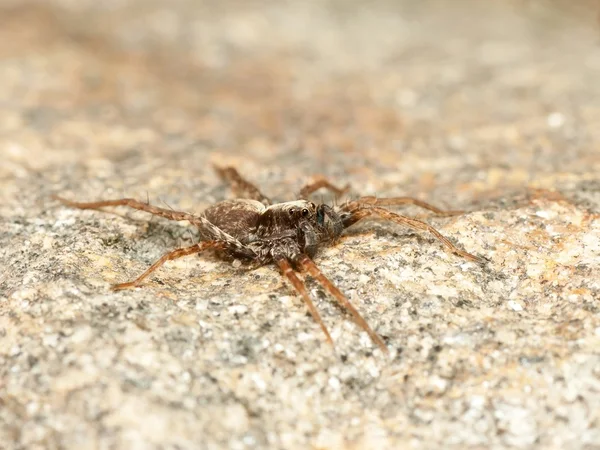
(253, 229)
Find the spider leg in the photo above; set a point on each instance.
(398, 201)
(197, 248)
(241, 187)
(308, 264)
(214, 233)
(321, 183)
(415, 224)
(210, 232)
(132, 203)
(288, 272)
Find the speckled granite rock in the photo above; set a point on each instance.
(490, 108)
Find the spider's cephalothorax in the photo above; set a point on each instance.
(253, 229)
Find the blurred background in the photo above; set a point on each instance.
(487, 97)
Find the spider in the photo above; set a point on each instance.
(253, 229)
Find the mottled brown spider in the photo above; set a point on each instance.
(253, 229)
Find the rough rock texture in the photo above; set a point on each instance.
(492, 107)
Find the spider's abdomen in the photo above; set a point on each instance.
(237, 217)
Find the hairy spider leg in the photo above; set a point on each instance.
(241, 187)
(309, 265)
(399, 201)
(197, 248)
(362, 213)
(288, 272)
(214, 232)
(318, 184)
(132, 203)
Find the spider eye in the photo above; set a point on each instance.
(292, 212)
(305, 212)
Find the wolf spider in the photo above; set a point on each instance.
(254, 229)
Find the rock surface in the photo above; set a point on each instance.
(492, 108)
